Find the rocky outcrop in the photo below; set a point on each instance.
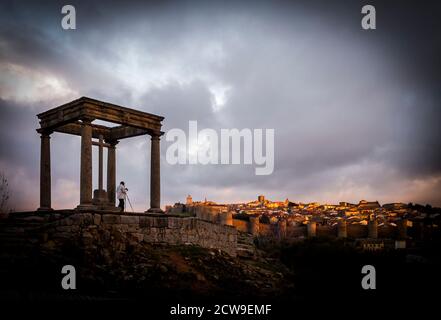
(132, 256)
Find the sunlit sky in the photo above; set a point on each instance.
(356, 113)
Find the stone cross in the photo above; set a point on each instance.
(100, 196)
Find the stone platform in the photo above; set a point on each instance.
(108, 231)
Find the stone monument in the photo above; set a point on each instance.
(76, 117)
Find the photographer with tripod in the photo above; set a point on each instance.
(121, 193)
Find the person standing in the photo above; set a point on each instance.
(121, 193)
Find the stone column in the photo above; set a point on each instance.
(100, 163)
(155, 175)
(111, 172)
(86, 165)
(45, 172)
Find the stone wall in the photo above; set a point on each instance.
(326, 231)
(278, 230)
(212, 214)
(387, 231)
(357, 231)
(118, 231)
(241, 225)
(296, 231)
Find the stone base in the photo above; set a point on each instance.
(108, 207)
(45, 209)
(85, 207)
(100, 197)
(154, 210)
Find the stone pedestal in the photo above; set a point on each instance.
(100, 197)
(101, 202)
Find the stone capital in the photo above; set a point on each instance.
(112, 143)
(45, 132)
(155, 136)
(86, 120)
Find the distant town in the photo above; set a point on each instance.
(326, 214)
(371, 224)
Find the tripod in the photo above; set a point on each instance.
(129, 202)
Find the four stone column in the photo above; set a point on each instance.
(155, 175)
(86, 170)
(45, 172)
(86, 165)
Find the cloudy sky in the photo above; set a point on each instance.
(356, 113)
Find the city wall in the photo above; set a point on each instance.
(282, 230)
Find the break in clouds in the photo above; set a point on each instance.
(355, 113)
